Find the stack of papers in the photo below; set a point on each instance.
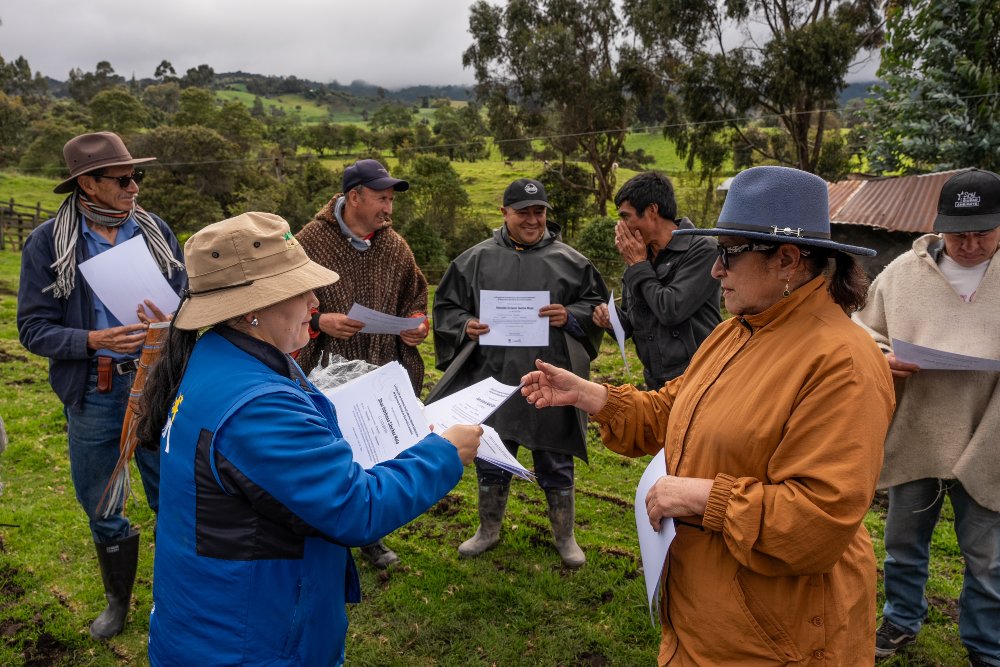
(380, 416)
(473, 405)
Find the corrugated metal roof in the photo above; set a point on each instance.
(901, 204)
(841, 192)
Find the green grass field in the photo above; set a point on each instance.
(514, 606)
(29, 190)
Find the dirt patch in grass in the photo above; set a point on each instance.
(588, 659)
(946, 606)
(620, 502)
(45, 650)
(447, 506)
(38, 647)
(7, 357)
(525, 498)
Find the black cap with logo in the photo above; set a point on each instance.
(969, 202)
(525, 192)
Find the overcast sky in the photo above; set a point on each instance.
(391, 43)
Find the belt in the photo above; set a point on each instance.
(124, 367)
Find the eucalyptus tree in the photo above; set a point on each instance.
(732, 60)
(938, 106)
(564, 72)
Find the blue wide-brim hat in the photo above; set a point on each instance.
(780, 205)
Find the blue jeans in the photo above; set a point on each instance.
(914, 509)
(94, 432)
(553, 470)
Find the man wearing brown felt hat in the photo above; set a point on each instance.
(92, 355)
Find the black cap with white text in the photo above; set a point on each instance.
(969, 202)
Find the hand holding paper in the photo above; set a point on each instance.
(104, 273)
(380, 416)
(653, 545)
(376, 322)
(513, 318)
(928, 358)
(466, 438)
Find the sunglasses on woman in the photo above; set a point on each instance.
(725, 252)
(123, 181)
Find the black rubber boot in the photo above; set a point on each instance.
(379, 555)
(492, 505)
(562, 514)
(118, 561)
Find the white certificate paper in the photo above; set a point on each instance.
(126, 275)
(377, 322)
(930, 359)
(473, 405)
(379, 414)
(513, 318)
(653, 546)
(616, 326)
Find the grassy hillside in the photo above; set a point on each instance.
(29, 190)
(515, 606)
(342, 109)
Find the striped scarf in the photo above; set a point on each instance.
(65, 234)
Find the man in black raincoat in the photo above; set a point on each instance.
(525, 254)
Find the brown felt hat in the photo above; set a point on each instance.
(89, 152)
(243, 264)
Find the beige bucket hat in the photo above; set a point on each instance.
(89, 152)
(243, 264)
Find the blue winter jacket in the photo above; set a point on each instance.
(58, 328)
(259, 501)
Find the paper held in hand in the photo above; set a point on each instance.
(931, 359)
(653, 546)
(104, 273)
(473, 405)
(380, 416)
(513, 318)
(382, 323)
(616, 326)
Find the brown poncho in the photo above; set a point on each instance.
(385, 277)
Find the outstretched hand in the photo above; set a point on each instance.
(550, 386)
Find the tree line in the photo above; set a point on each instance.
(562, 82)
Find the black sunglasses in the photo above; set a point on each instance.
(123, 181)
(726, 251)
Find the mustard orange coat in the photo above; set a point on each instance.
(787, 411)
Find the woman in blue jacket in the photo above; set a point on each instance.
(260, 496)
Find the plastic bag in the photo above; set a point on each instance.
(338, 371)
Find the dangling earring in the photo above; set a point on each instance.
(786, 292)
(254, 322)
